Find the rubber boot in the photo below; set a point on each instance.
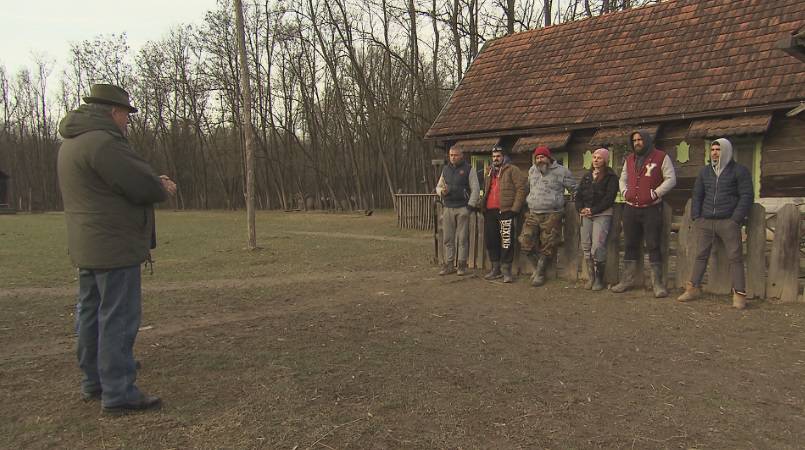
(627, 278)
(462, 268)
(598, 281)
(447, 268)
(657, 282)
(534, 260)
(495, 273)
(738, 299)
(589, 270)
(539, 273)
(507, 273)
(691, 293)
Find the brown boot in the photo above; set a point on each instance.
(691, 293)
(738, 299)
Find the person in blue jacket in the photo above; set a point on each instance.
(722, 196)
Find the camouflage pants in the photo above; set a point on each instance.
(542, 233)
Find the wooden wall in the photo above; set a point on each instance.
(783, 157)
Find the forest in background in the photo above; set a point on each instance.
(343, 93)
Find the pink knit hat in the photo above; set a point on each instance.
(603, 153)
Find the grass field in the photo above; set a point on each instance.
(338, 334)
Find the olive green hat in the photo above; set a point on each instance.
(109, 94)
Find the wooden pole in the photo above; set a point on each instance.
(246, 114)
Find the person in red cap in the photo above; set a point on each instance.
(542, 231)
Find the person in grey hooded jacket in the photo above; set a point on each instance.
(542, 230)
(722, 196)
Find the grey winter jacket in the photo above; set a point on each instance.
(547, 191)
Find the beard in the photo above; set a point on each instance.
(542, 167)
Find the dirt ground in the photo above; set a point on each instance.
(355, 342)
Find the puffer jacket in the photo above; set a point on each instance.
(512, 188)
(728, 196)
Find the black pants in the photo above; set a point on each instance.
(640, 223)
(500, 235)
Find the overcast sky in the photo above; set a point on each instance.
(47, 27)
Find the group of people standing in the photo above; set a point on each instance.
(722, 195)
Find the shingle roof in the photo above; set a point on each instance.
(673, 59)
(734, 126)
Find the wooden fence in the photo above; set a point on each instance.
(773, 271)
(416, 211)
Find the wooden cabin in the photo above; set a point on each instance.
(688, 70)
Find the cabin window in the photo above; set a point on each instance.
(481, 163)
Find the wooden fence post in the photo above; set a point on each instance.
(756, 252)
(684, 248)
(570, 248)
(665, 240)
(612, 270)
(783, 279)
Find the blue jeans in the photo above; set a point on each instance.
(107, 320)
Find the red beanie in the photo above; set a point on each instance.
(544, 151)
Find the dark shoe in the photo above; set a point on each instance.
(598, 279)
(145, 402)
(657, 282)
(627, 277)
(539, 273)
(447, 269)
(507, 273)
(495, 273)
(90, 396)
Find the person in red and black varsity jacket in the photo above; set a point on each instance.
(647, 175)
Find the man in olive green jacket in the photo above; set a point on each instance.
(108, 192)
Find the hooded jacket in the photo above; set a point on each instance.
(647, 176)
(108, 192)
(723, 189)
(547, 191)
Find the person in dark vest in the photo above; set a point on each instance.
(722, 196)
(459, 189)
(504, 196)
(108, 192)
(595, 196)
(648, 174)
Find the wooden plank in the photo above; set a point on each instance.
(756, 253)
(472, 231)
(569, 252)
(612, 270)
(684, 248)
(783, 280)
(665, 240)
